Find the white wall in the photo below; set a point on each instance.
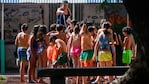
(91, 13)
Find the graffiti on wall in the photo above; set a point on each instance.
(17, 14)
(91, 14)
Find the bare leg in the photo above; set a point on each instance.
(31, 70)
(22, 71)
(76, 65)
(109, 63)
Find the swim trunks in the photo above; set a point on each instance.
(21, 52)
(126, 56)
(104, 56)
(86, 58)
(86, 55)
(62, 59)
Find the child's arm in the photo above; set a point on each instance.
(16, 40)
(113, 48)
(59, 11)
(95, 50)
(69, 43)
(82, 29)
(133, 48)
(125, 42)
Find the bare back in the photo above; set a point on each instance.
(129, 42)
(22, 39)
(76, 40)
(62, 36)
(61, 45)
(86, 42)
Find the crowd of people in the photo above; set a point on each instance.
(70, 43)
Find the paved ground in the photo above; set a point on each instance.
(15, 79)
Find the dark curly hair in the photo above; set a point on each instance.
(127, 29)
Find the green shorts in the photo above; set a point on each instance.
(86, 55)
(62, 59)
(126, 56)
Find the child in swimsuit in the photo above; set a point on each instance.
(102, 47)
(128, 46)
(75, 46)
(22, 44)
(86, 50)
(52, 51)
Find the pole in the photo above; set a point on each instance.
(73, 11)
(2, 43)
(127, 19)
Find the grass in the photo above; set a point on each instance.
(2, 77)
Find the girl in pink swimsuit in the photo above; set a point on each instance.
(74, 44)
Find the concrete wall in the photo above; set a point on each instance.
(92, 14)
(15, 15)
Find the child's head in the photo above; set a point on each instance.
(106, 27)
(24, 27)
(35, 29)
(90, 29)
(59, 27)
(73, 22)
(64, 3)
(52, 38)
(43, 29)
(53, 27)
(76, 29)
(127, 30)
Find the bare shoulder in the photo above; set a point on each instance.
(20, 33)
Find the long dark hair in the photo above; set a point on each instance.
(35, 30)
(106, 26)
(42, 30)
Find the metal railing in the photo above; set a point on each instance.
(57, 75)
(59, 1)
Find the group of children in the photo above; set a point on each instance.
(78, 46)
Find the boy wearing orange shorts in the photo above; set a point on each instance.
(52, 51)
(87, 50)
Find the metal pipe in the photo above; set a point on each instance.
(2, 50)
